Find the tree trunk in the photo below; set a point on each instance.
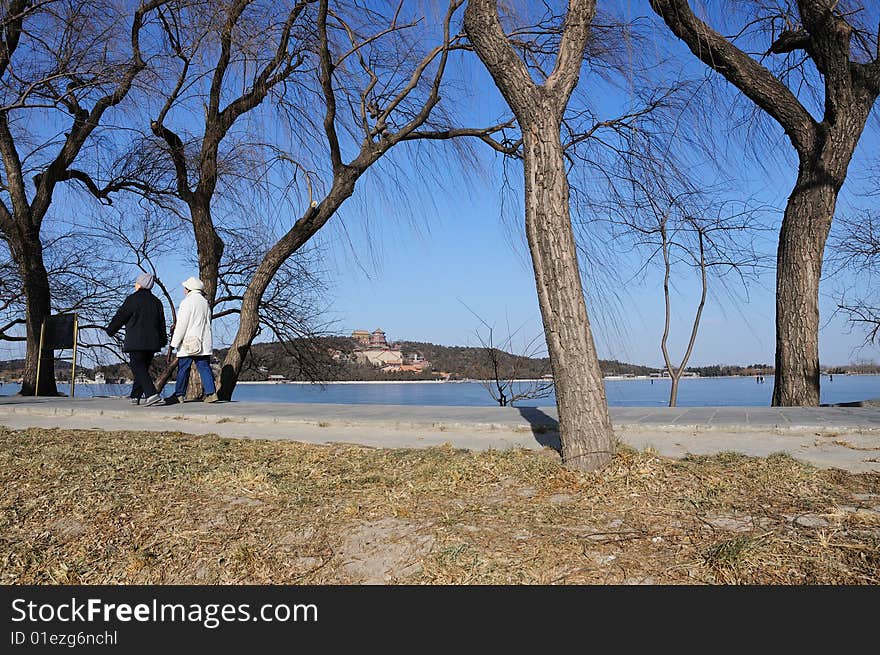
(209, 245)
(851, 87)
(673, 391)
(210, 250)
(248, 327)
(38, 308)
(249, 317)
(304, 229)
(802, 237)
(584, 422)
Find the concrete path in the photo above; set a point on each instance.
(840, 437)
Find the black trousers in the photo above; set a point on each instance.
(140, 361)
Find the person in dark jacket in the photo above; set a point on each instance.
(143, 317)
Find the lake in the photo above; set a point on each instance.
(692, 392)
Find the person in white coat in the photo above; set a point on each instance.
(192, 339)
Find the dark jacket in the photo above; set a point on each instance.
(143, 317)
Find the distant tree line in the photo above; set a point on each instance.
(721, 370)
(461, 362)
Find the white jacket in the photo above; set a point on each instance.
(193, 319)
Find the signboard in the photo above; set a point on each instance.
(59, 332)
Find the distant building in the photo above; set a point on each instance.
(361, 336)
(377, 339)
(403, 368)
(381, 357)
(99, 378)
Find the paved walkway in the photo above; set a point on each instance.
(842, 437)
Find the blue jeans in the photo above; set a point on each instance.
(203, 366)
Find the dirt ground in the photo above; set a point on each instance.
(94, 507)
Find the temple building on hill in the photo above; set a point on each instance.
(374, 349)
(377, 339)
(381, 358)
(374, 339)
(361, 336)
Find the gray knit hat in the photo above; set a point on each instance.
(145, 280)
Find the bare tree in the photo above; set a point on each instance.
(391, 97)
(584, 422)
(503, 364)
(251, 51)
(700, 261)
(82, 280)
(844, 60)
(312, 52)
(56, 57)
(140, 240)
(670, 216)
(857, 250)
(238, 51)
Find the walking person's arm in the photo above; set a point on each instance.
(184, 315)
(119, 319)
(160, 324)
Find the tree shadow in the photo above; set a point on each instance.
(15, 399)
(544, 428)
(870, 402)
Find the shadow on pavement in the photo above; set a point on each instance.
(15, 399)
(871, 402)
(545, 428)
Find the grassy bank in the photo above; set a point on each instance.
(137, 508)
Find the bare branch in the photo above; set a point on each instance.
(750, 77)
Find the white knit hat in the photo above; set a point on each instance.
(193, 284)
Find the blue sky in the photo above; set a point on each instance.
(420, 283)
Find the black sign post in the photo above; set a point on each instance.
(59, 332)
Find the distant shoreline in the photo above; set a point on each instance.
(377, 381)
(607, 378)
(457, 381)
(612, 378)
(342, 382)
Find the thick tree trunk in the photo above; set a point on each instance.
(209, 245)
(584, 422)
(802, 237)
(805, 228)
(825, 37)
(210, 250)
(38, 308)
(248, 327)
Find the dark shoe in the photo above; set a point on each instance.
(153, 400)
(212, 398)
(173, 400)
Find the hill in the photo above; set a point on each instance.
(334, 358)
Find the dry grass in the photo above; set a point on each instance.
(94, 507)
